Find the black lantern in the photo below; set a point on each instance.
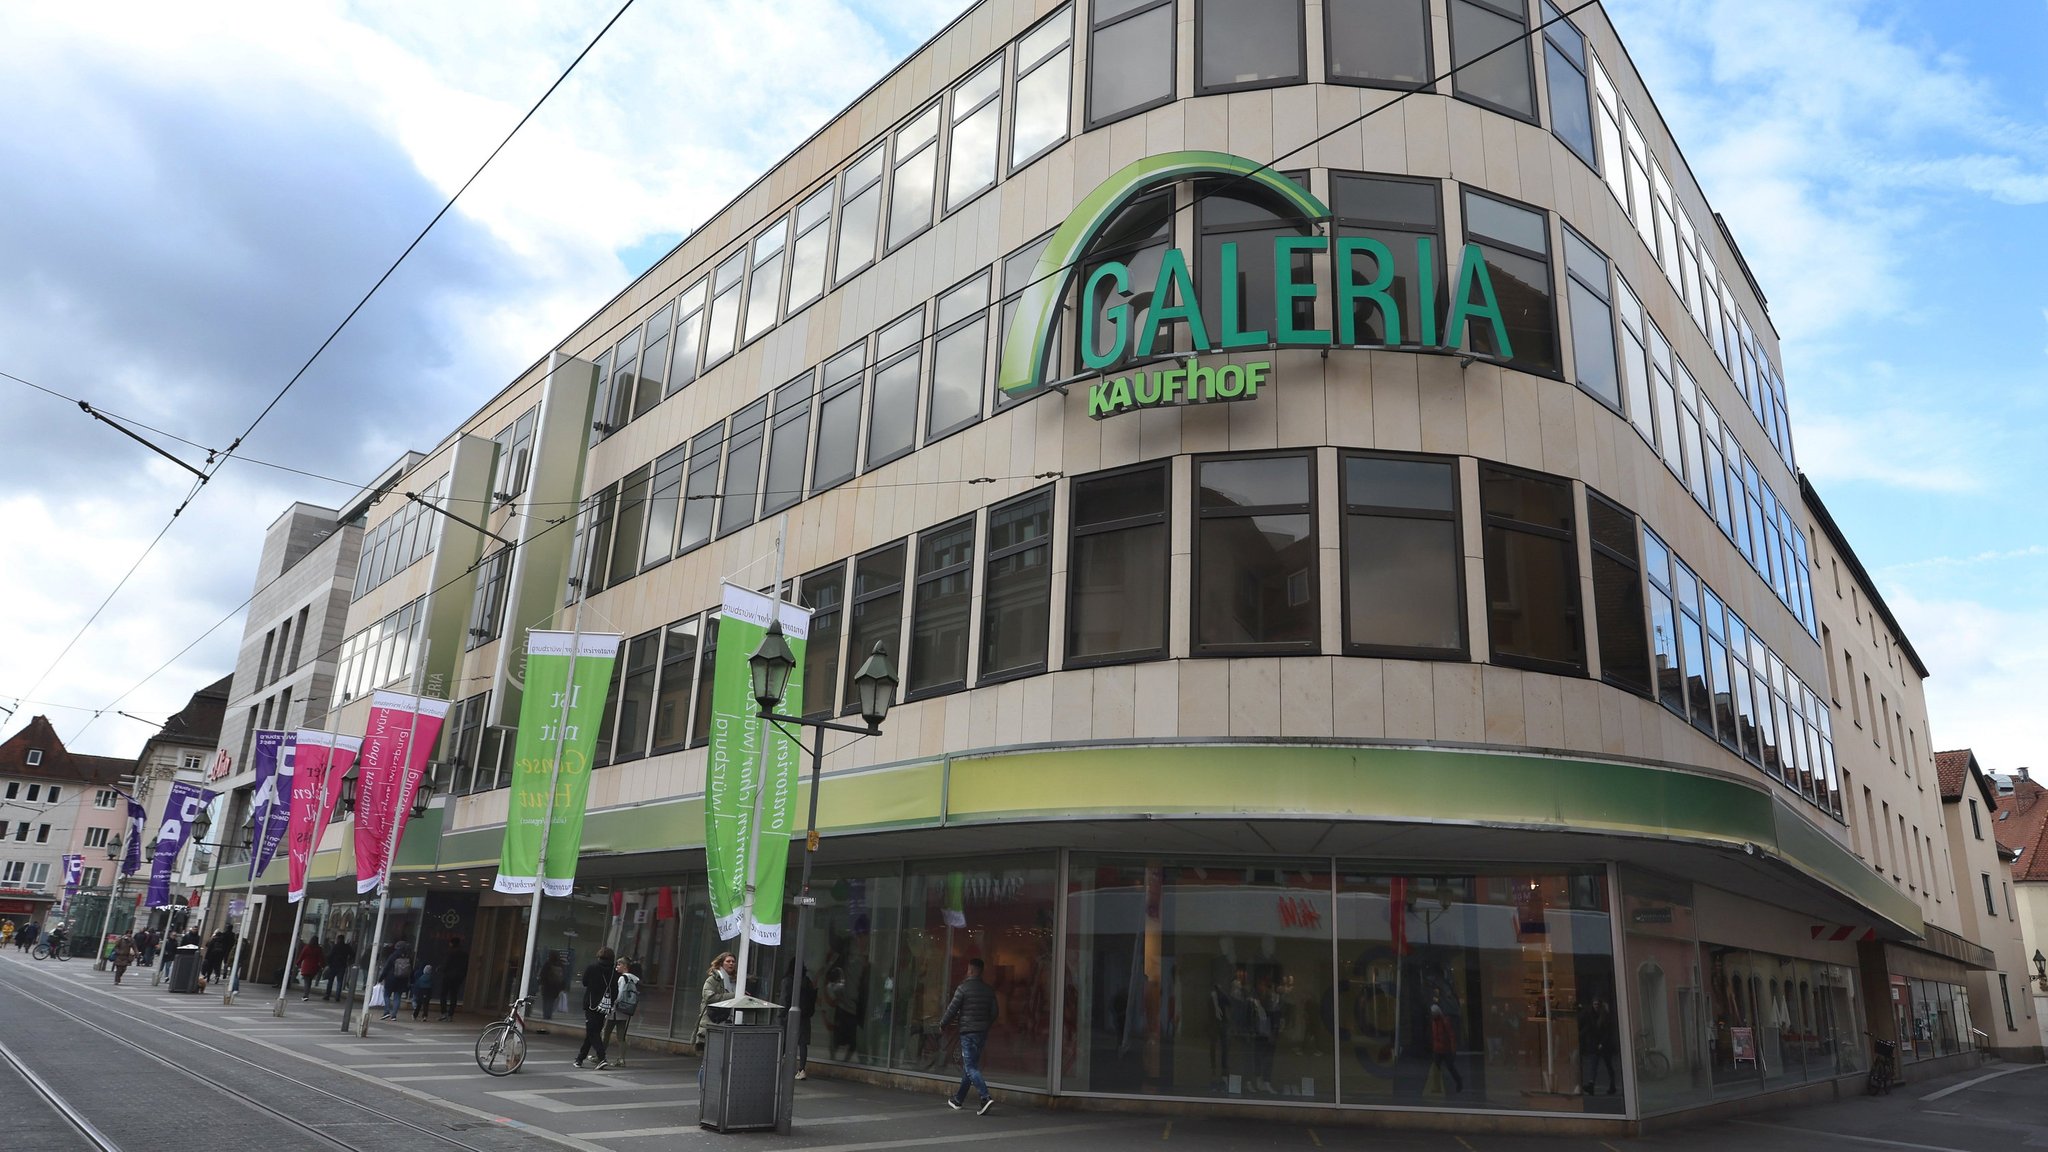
(348, 790)
(203, 825)
(771, 666)
(114, 848)
(420, 796)
(875, 684)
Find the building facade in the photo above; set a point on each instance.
(49, 807)
(2021, 827)
(1340, 538)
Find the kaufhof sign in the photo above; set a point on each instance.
(1112, 336)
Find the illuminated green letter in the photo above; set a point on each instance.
(1286, 290)
(1119, 316)
(1350, 291)
(1425, 283)
(1472, 273)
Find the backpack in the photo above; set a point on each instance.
(628, 999)
(401, 967)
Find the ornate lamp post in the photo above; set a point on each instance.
(770, 668)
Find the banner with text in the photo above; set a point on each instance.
(187, 801)
(74, 867)
(319, 760)
(401, 732)
(738, 745)
(270, 800)
(138, 819)
(559, 715)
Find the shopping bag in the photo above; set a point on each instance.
(376, 996)
(561, 1001)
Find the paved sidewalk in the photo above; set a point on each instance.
(652, 1102)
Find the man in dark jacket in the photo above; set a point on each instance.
(454, 971)
(339, 959)
(600, 985)
(973, 1007)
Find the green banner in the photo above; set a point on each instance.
(546, 728)
(738, 746)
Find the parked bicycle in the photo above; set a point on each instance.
(501, 1048)
(1652, 1062)
(1883, 1065)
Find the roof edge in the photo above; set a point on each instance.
(1826, 519)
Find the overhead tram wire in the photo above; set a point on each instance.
(228, 453)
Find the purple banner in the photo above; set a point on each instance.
(270, 805)
(74, 867)
(138, 819)
(187, 801)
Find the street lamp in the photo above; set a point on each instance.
(107, 920)
(874, 686)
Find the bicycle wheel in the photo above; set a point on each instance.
(40, 952)
(500, 1050)
(1656, 1065)
(64, 953)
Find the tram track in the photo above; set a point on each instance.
(68, 1116)
(285, 1084)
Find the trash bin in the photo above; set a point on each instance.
(185, 969)
(742, 1069)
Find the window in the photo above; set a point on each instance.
(672, 697)
(487, 614)
(1564, 67)
(262, 676)
(95, 837)
(632, 526)
(39, 873)
(1118, 570)
(825, 592)
(940, 612)
(90, 878)
(1016, 617)
(1404, 572)
(959, 359)
(55, 791)
(1515, 243)
(707, 664)
(1138, 237)
(1607, 126)
(1532, 579)
(1635, 361)
(789, 436)
(35, 757)
(1248, 44)
(743, 468)
(1592, 320)
(977, 124)
(700, 491)
(1236, 230)
(1255, 554)
(636, 696)
(1664, 390)
(1130, 58)
(298, 639)
(916, 179)
(813, 245)
(764, 286)
(1044, 87)
(838, 448)
(664, 507)
(105, 798)
(614, 405)
(1401, 214)
(2005, 996)
(1618, 596)
(860, 215)
(43, 837)
(653, 380)
(1377, 41)
(1491, 37)
(877, 617)
(725, 308)
(899, 365)
(11, 872)
(1019, 269)
(1976, 828)
(682, 366)
(2007, 889)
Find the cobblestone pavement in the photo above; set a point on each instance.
(234, 1078)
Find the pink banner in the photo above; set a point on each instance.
(319, 761)
(401, 732)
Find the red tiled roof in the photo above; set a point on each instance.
(2021, 825)
(56, 761)
(1954, 770)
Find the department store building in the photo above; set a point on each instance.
(1342, 551)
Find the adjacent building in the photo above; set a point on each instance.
(53, 802)
(2022, 830)
(1361, 628)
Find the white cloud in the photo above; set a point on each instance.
(1987, 667)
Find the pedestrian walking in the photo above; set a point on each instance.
(554, 978)
(973, 1007)
(124, 955)
(806, 1001)
(311, 959)
(422, 991)
(719, 985)
(1443, 1047)
(396, 977)
(625, 1003)
(340, 959)
(454, 973)
(600, 981)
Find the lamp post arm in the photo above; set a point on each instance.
(829, 725)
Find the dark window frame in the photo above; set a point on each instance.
(880, 149)
(841, 570)
(931, 435)
(1090, 121)
(1456, 518)
(1497, 7)
(1550, 261)
(1331, 76)
(1604, 293)
(1076, 532)
(710, 442)
(694, 316)
(791, 305)
(917, 578)
(916, 349)
(1573, 574)
(665, 665)
(745, 430)
(1551, 19)
(1050, 495)
(1634, 564)
(828, 391)
(786, 408)
(940, 143)
(853, 659)
(1020, 71)
(952, 118)
(1343, 225)
(1208, 288)
(1299, 77)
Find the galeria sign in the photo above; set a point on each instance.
(1111, 334)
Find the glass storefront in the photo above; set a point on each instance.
(1933, 1018)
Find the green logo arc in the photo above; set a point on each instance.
(1029, 343)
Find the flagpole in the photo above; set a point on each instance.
(107, 919)
(540, 865)
(391, 842)
(227, 998)
(760, 788)
(291, 954)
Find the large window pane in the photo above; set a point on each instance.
(1044, 86)
(1501, 80)
(742, 468)
(664, 508)
(1571, 101)
(1017, 598)
(725, 308)
(1248, 43)
(916, 180)
(764, 287)
(838, 448)
(977, 121)
(938, 622)
(632, 525)
(672, 701)
(1000, 912)
(1130, 58)
(682, 365)
(787, 441)
(824, 591)
(1138, 237)
(892, 426)
(860, 215)
(1515, 243)
(1532, 583)
(959, 358)
(813, 243)
(700, 493)
(707, 663)
(1398, 213)
(1248, 222)
(1593, 357)
(653, 362)
(1117, 580)
(1378, 41)
(1255, 554)
(852, 948)
(1618, 596)
(636, 698)
(877, 616)
(1403, 568)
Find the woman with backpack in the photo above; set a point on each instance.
(600, 982)
(625, 1002)
(396, 977)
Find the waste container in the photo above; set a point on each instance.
(742, 1069)
(185, 969)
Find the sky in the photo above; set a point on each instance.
(195, 197)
